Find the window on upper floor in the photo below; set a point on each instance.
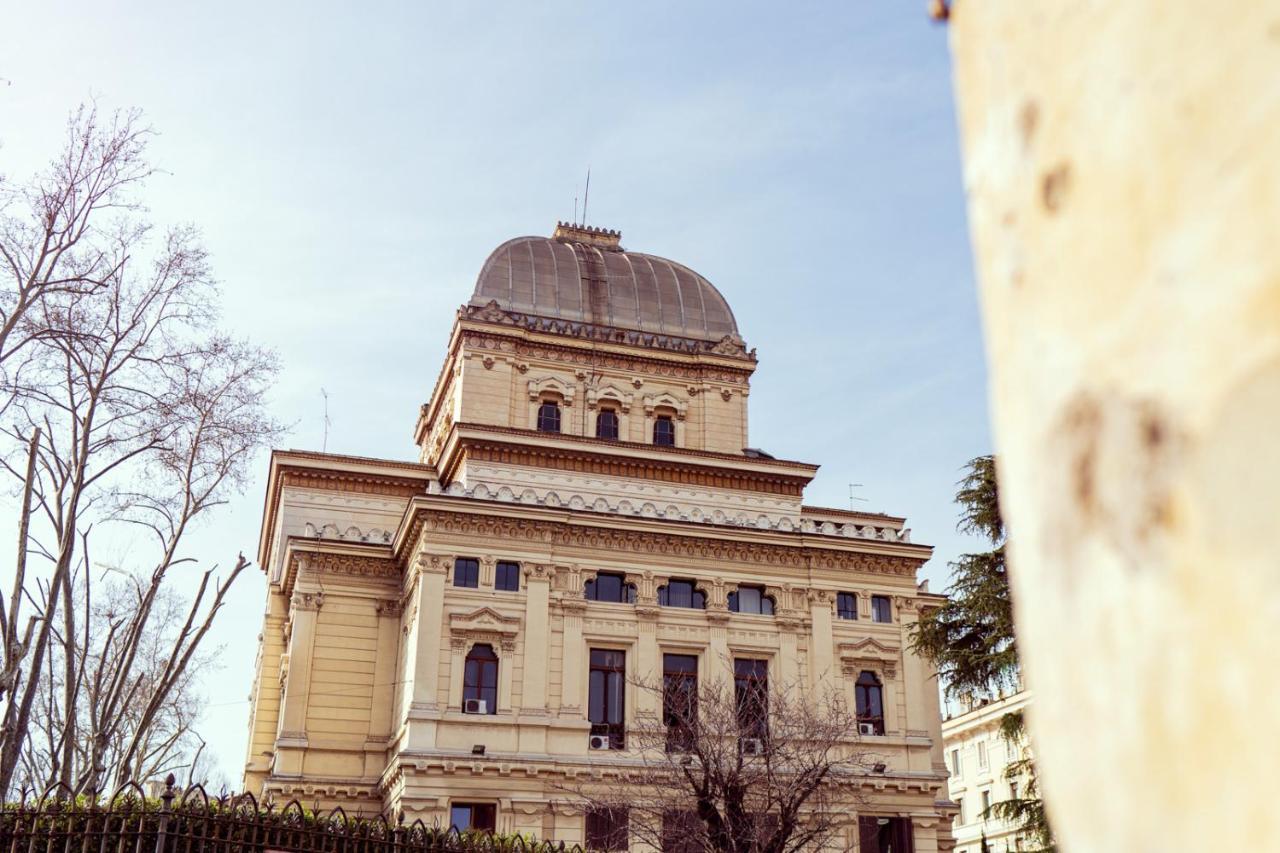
(751, 694)
(885, 834)
(477, 817)
(466, 572)
(664, 431)
(682, 832)
(986, 805)
(956, 766)
(751, 599)
(870, 703)
(982, 755)
(507, 577)
(480, 680)
(607, 829)
(1013, 790)
(549, 416)
(680, 700)
(880, 608)
(607, 586)
(847, 605)
(607, 424)
(606, 695)
(682, 593)
(959, 818)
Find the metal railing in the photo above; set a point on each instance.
(191, 821)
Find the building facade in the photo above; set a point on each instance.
(452, 637)
(978, 756)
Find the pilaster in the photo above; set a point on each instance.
(537, 638)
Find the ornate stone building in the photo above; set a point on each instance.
(449, 637)
(978, 756)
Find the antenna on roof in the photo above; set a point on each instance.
(575, 209)
(852, 496)
(585, 194)
(324, 447)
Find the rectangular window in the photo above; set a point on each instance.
(1013, 790)
(986, 803)
(750, 599)
(480, 817)
(847, 605)
(466, 572)
(885, 835)
(956, 767)
(682, 832)
(607, 586)
(982, 755)
(507, 577)
(664, 431)
(959, 811)
(606, 692)
(680, 700)
(607, 829)
(880, 610)
(751, 691)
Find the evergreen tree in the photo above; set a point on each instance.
(971, 641)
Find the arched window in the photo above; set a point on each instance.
(549, 416)
(480, 680)
(751, 599)
(607, 424)
(664, 431)
(681, 593)
(867, 693)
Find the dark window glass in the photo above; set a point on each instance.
(751, 690)
(750, 599)
(610, 587)
(607, 829)
(607, 424)
(880, 611)
(549, 417)
(885, 835)
(870, 704)
(507, 577)
(606, 694)
(664, 431)
(480, 817)
(846, 605)
(682, 832)
(679, 593)
(680, 700)
(466, 572)
(480, 677)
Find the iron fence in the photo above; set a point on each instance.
(191, 821)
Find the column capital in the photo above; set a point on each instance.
(432, 564)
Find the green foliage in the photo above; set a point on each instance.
(971, 641)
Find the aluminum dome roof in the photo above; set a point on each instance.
(583, 275)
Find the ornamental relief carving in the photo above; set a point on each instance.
(352, 565)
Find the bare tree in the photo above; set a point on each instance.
(730, 768)
(135, 414)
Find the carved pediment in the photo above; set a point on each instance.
(486, 621)
(869, 653)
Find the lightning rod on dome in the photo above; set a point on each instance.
(585, 193)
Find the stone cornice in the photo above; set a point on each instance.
(368, 562)
(583, 530)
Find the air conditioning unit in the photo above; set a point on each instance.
(599, 741)
(866, 728)
(475, 706)
(752, 746)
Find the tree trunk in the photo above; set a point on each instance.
(1124, 200)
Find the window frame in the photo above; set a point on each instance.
(768, 607)
(612, 672)
(615, 834)
(626, 594)
(847, 597)
(679, 683)
(474, 684)
(617, 423)
(957, 765)
(513, 570)
(881, 605)
(751, 697)
(544, 421)
(491, 809)
(697, 597)
(983, 763)
(470, 572)
(668, 433)
(863, 689)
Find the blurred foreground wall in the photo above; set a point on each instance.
(1123, 169)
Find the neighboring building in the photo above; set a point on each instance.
(977, 756)
(454, 637)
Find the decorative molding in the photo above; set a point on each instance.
(630, 363)
(433, 564)
(484, 625)
(869, 653)
(388, 608)
(552, 385)
(312, 601)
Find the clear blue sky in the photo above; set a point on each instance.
(352, 167)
